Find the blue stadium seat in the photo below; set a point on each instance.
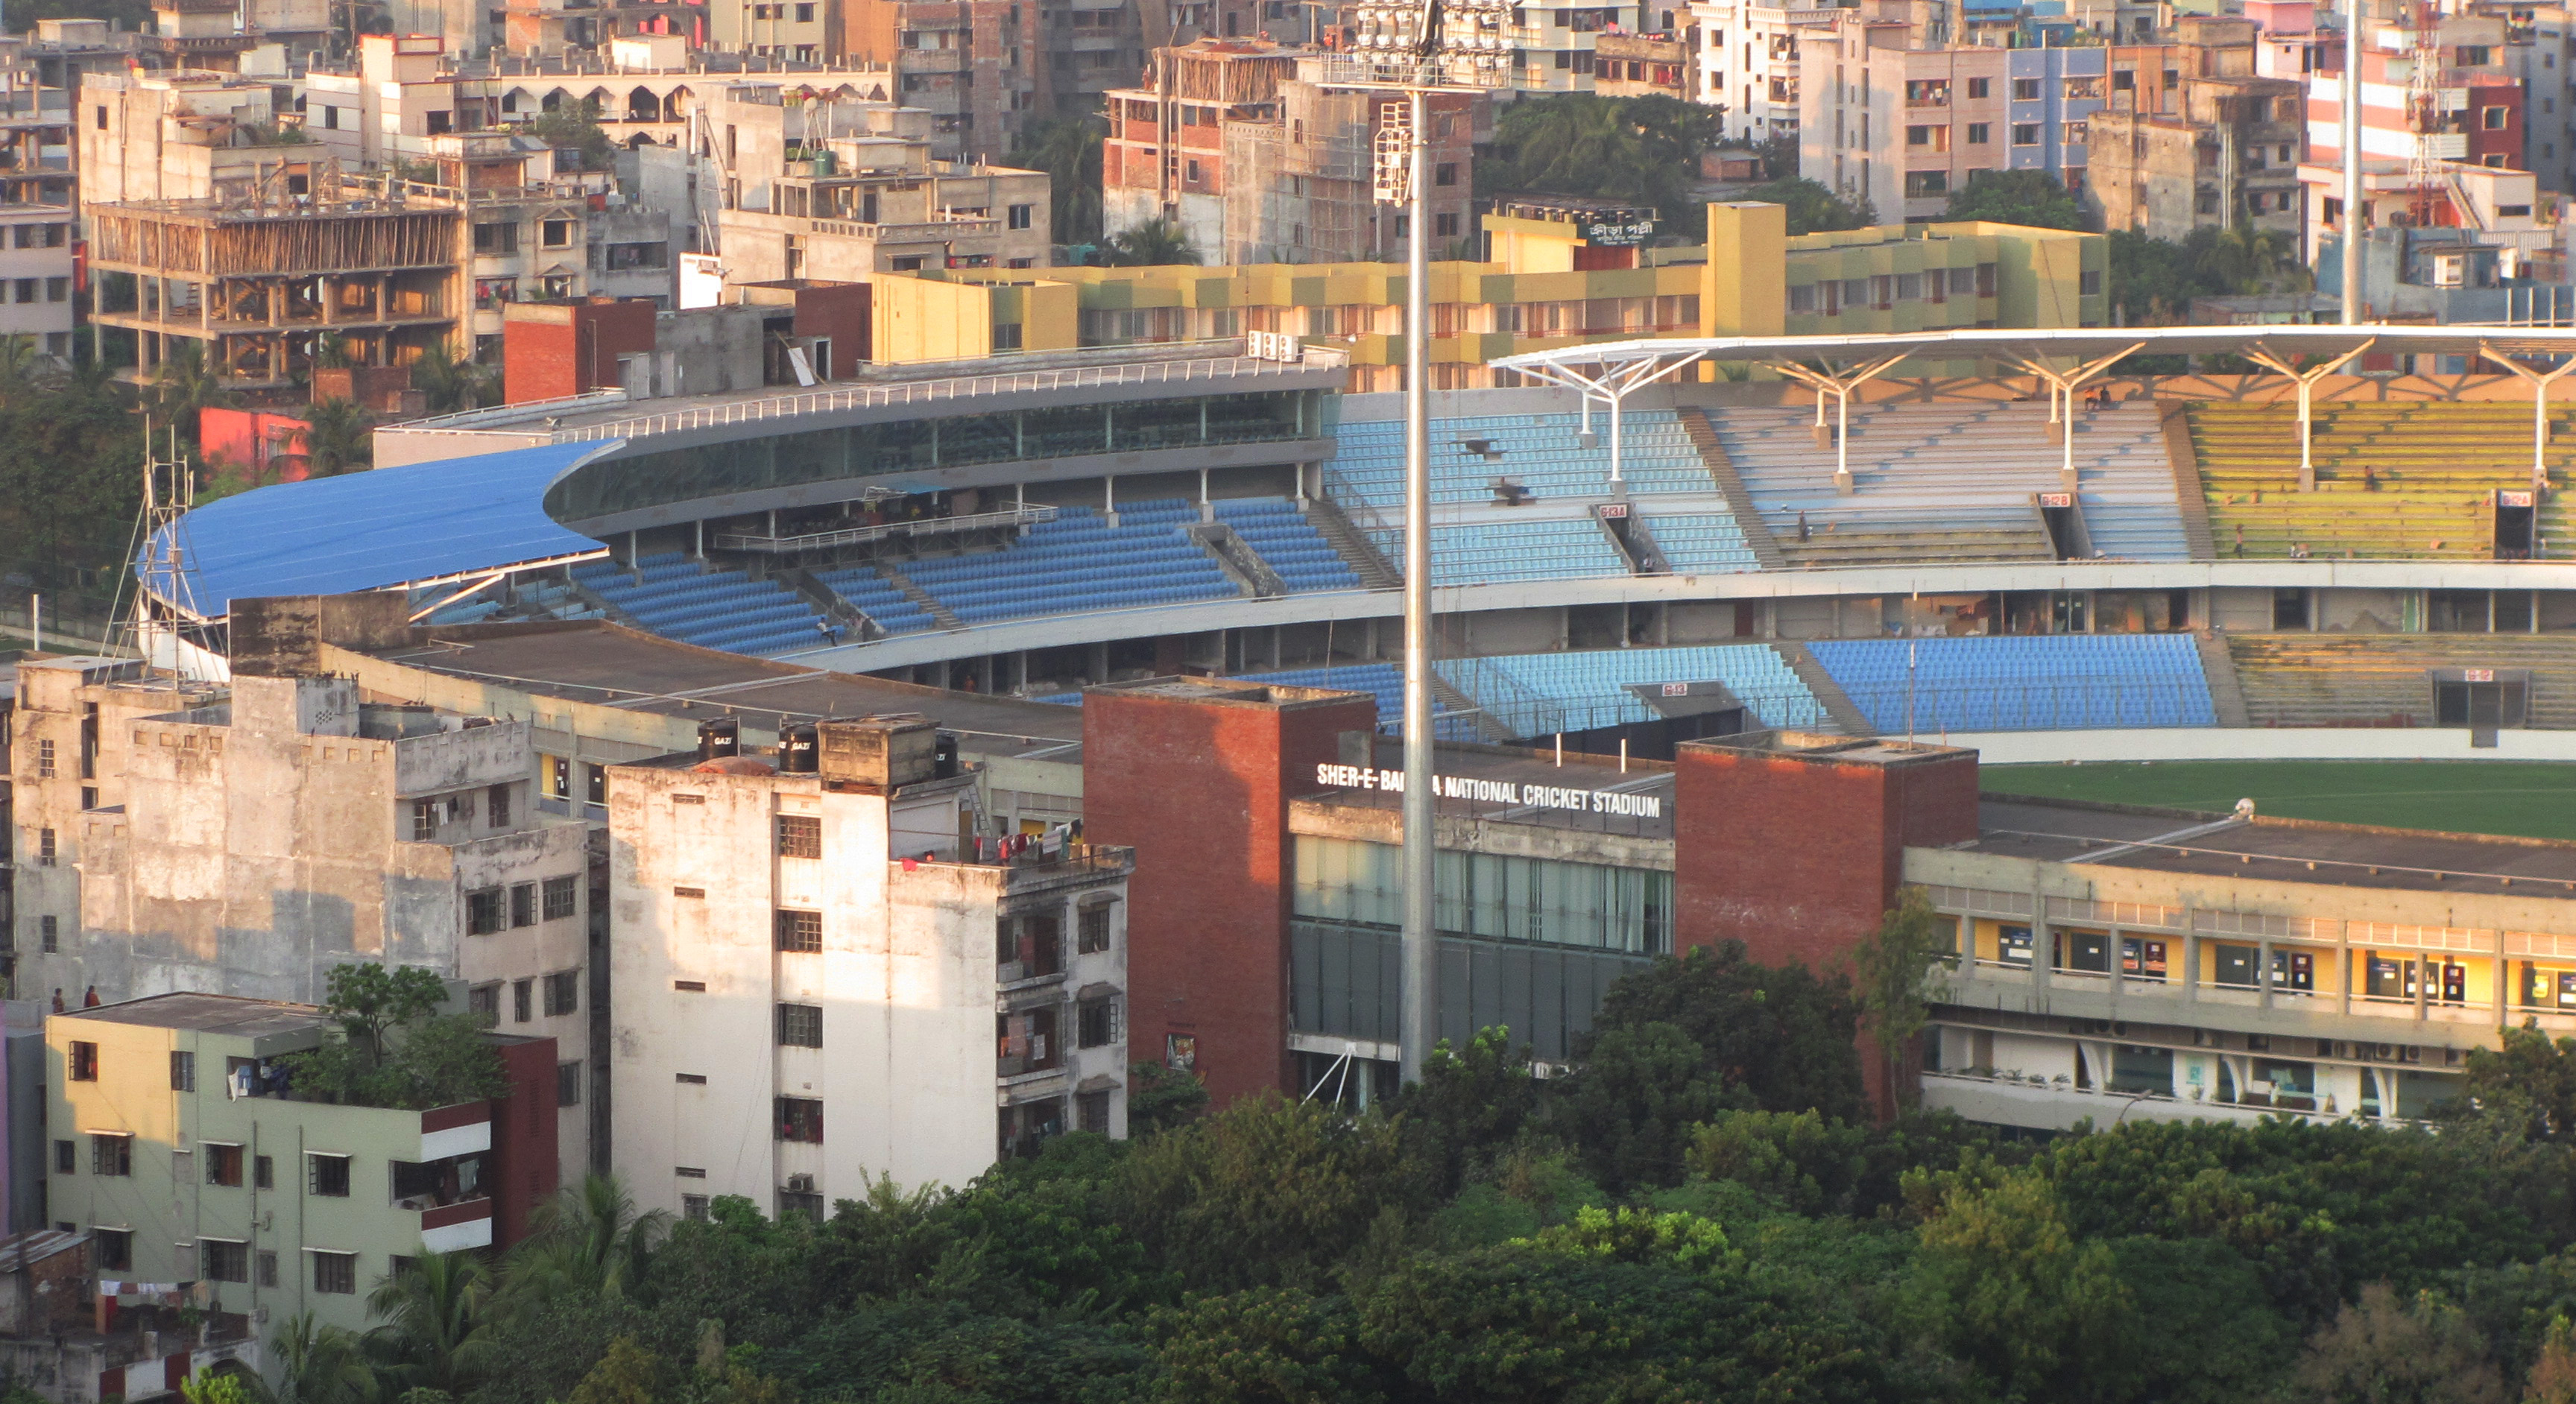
(680, 598)
(1533, 694)
(2015, 683)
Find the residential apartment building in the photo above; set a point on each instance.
(1641, 65)
(841, 193)
(979, 67)
(178, 1147)
(1553, 282)
(825, 971)
(38, 208)
(1744, 62)
(2478, 109)
(245, 841)
(180, 136)
(1246, 146)
(2229, 156)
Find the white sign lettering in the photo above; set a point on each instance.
(1512, 792)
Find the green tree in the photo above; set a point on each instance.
(2005, 1284)
(1898, 975)
(1160, 1098)
(1782, 1034)
(1265, 1346)
(2383, 1350)
(1068, 150)
(2553, 1375)
(1630, 1107)
(319, 1364)
(1154, 244)
(183, 384)
(392, 1049)
(574, 127)
(2033, 199)
(1641, 150)
(1813, 209)
(223, 1387)
(1471, 1104)
(430, 1321)
(2526, 1087)
(589, 1242)
(337, 437)
(450, 385)
(627, 1374)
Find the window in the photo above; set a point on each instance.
(496, 799)
(595, 785)
(44, 760)
(2473, 56)
(49, 930)
(58, 290)
(2088, 284)
(223, 1260)
(800, 836)
(557, 233)
(563, 992)
(805, 12)
(523, 904)
(554, 776)
(263, 1172)
(223, 1164)
(327, 1176)
(800, 1026)
(484, 1002)
(335, 1273)
(1097, 1023)
(800, 1119)
(693, 1207)
(1181, 1052)
(1091, 1112)
(800, 931)
(486, 911)
(805, 1202)
(1091, 929)
(44, 848)
(2492, 118)
(1444, 226)
(1022, 216)
(522, 1000)
(1446, 173)
(496, 238)
(66, 1157)
(183, 1072)
(330, 118)
(84, 1061)
(1980, 87)
(2025, 134)
(115, 1248)
(563, 897)
(1919, 184)
(111, 1154)
(2025, 89)
(267, 1268)
(568, 1084)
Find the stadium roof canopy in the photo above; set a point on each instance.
(367, 531)
(2080, 343)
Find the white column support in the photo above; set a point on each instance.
(2306, 380)
(2062, 385)
(1612, 382)
(1840, 384)
(2539, 382)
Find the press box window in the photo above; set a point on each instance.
(800, 836)
(327, 1176)
(800, 1026)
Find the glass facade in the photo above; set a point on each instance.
(659, 478)
(1540, 900)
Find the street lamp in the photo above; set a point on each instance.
(1416, 48)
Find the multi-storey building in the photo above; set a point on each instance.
(246, 842)
(179, 136)
(827, 969)
(177, 1147)
(37, 209)
(2229, 156)
(1744, 62)
(2477, 105)
(844, 193)
(1641, 65)
(1257, 159)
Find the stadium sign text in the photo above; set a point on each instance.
(1361, 777)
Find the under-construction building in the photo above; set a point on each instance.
(1257, 160)
(261, 282)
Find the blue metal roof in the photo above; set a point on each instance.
(363, 531)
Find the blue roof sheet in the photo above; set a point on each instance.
(363, 531)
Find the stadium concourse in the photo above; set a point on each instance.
(2009, 536)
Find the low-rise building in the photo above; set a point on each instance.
(827, 968)
(182, 1148)
(1744, 62)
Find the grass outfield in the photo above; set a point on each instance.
(2528, 799)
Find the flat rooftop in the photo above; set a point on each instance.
(610, 665)
(207, 1013)
(1499, 785)
(2276, 850)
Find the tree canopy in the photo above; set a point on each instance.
(1645, 150)
(2037, 199)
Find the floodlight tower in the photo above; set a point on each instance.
(1410, 49)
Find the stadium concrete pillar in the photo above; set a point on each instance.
(2539, 381)
(2306, 379)
(1612, 381)
(1839, 383)
(2061, 388)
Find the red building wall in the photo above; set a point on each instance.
(1199, 787)
(553, 349)
(527, 1157)
(841, 312)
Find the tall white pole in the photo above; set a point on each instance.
(2352, 221)
(1421, 1022)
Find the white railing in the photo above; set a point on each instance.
(849, 536)
(920, 392)
(465, 420)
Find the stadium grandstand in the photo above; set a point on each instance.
(1777, 533)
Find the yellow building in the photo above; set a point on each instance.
(1551, 282)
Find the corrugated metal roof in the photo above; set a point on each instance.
(363, 531)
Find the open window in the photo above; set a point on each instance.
(436, 1184)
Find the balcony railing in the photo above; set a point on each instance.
(851, 536)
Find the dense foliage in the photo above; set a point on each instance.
(390, 1046)
(1643, 149)
(1701, 1210)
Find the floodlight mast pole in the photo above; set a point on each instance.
(2352, 199)
(1421, 1020)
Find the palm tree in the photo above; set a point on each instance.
(320, 1364)
(183, 384)
(590, 1242)
(433, 1321)
(451, 384)
(1156, 244)
(1068, 150)
(336, 437)
(24, 370)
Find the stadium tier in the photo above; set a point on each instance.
(2393, 481)
(884, 603)
(704, 605)
(1283, 538)
(2351, 679)
(1700, 543)
(1953, 482)
(1079, 561)
(1540, 452)
(2039, 683)
(1534, 694)
(1512, 543)
(1385, 682)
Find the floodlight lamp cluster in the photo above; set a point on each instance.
(1464, 40)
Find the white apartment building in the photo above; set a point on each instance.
(1744, 62)
(814, 982)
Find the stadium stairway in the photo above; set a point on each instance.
(2393, 481)
(1721, 469)
(1846, 718)
(2366, 679)
(2226, 694)
(1375, 571)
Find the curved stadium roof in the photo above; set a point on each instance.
(366, 531)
